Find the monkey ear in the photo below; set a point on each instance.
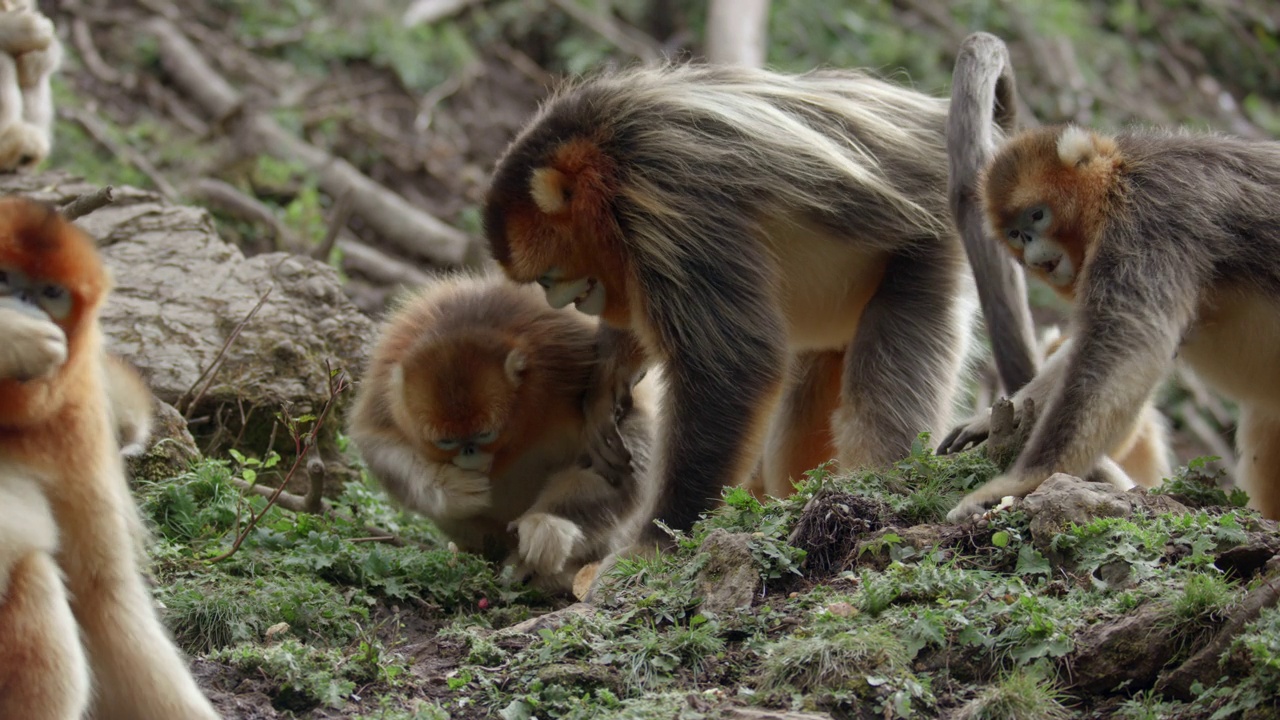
(515, 365)
(550, 189)
(1077, 146)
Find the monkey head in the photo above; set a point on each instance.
(49, 267)
(1045, 194)
(454, 396)
(550, 219)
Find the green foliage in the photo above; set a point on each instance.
(308, 676)
(1199, 487)
(1019, 695)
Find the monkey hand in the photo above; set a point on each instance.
(459, 493)
(546, 542)
(35, 347)
(972, 431)
(34, 65)
(25, 31)
(607, 452)
(992, 492)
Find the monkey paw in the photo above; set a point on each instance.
(965, 510)
(34, 65)
(25, 32)
(461, 493)
(972, 431)
(546, 542)
(35, 347)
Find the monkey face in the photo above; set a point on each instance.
(1030, 238)
(47, 266)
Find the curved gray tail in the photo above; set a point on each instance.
(983, 110)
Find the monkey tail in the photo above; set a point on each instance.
(983, 99)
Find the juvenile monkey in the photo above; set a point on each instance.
(983, 97)
(1169, 242)
(724, 220)
(60, 463)
(471, 413)
(30, 53)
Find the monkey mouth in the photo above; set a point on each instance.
(591, 300)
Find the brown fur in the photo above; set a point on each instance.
(1178, 236)
(476, 355)
(55, 429)
(737, 219)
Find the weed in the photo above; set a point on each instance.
(1019, 695)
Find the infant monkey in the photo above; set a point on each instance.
(471, 413)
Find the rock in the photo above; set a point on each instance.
(730, 579)
(1132, 650)
(1065, 499)
(180, 291)
(742, 713)
(171, 449)
(550, 620)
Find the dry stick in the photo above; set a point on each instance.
(98, 131)
(226, 197)
(341, 216)
(82, 38)
(212, 370)
(386, 212)
(380, 266)
(626, 39)
(87, 203)
(302, 443)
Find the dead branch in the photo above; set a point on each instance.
(87, 203)
(1203, 666)
(379, 266)
(736, 32)
(625, 38)
(98, 131)
(389, 214)
(82, 38)
(224, 196)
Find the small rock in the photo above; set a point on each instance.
(550, 620)
(1065, 499)
(729, 580)
(841, 609)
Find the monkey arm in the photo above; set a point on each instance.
(437, 490)
(34, 347)
(1130, 319)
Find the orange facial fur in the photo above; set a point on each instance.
(1072, 171)
(561, 216)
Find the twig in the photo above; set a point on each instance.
(297, 503)
(98, 131)
(211, 371)
(226, 197)
(87, 203)
(341, 216)
(337, 384)
(378, 265)
(627, 39)
(82, 38)
(386, 212)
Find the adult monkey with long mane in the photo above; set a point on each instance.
(982, 96)
(726, 221)
(1169, 243)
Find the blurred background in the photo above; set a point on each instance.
(362, 132)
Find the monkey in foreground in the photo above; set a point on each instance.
(982, 97)
(727, 222)
(30, 53)
(1169, 242)
(94, 637)
(471, 413)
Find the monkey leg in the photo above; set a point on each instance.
(1258, 470)
(138, 671)
(43, 672)
(902, 370)
(1145, 454)
(800, 434)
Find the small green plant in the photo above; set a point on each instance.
(1020, 695)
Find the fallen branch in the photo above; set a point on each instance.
(87, 203)
(98, 131)
(386, 212)
(379, 266)
(226, 197)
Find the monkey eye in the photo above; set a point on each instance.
(1038, 215)
(447, 444)
(485, 438)
(545, 282)
(55, 300)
